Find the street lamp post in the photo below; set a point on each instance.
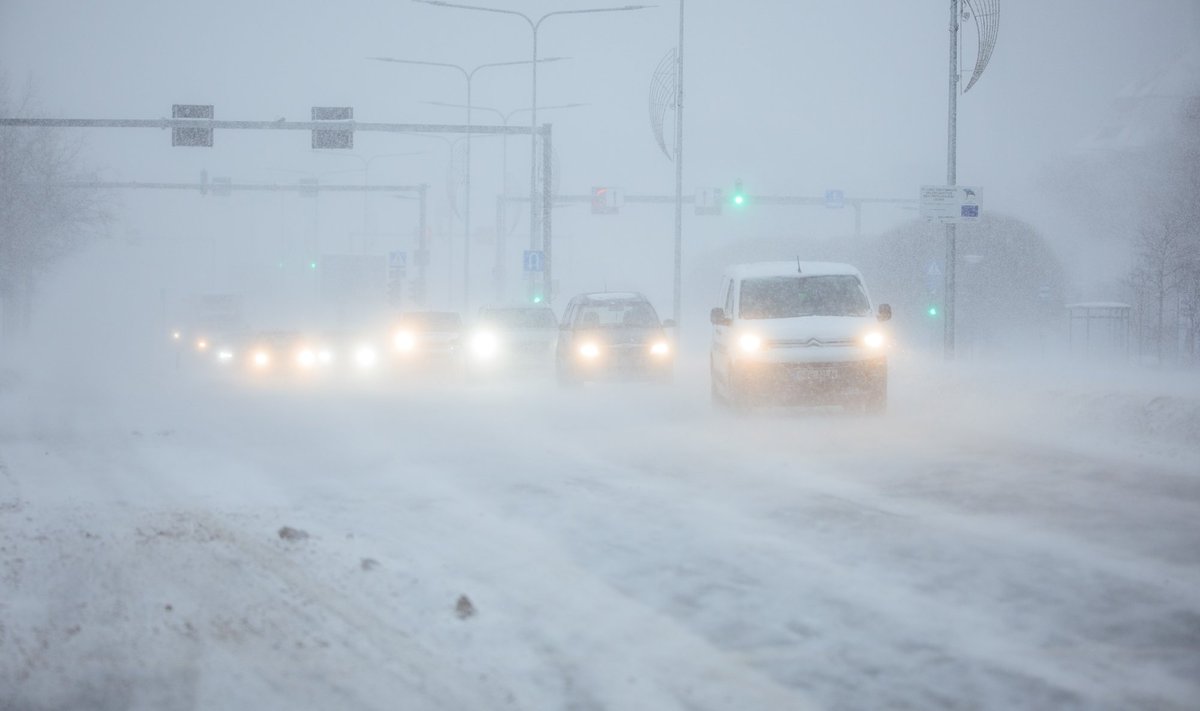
(534, 26)
(469, 76)
(501, 217)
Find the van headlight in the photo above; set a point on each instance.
(405, 341)
(306, 358)
(874, 339)
(485, 345)
(365, 357)
(750, 342)
(589, 351)
(660, 349)
(262, 359)
(224, 355)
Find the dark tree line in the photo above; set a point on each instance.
(42, 219)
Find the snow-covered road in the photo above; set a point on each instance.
(990, 543)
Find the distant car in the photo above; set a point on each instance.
(428, 339)
(349, 351)
(506, 338)
(798, 333)
(284, 353)
(612, 335)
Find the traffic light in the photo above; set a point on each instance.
(607, 200)
(738, 197)
(932, 311)
(536, 293)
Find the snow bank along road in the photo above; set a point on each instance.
(181, 544)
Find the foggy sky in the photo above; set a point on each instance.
(791, 97)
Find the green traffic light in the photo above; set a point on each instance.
(933, 311)
(312, 265)
(739, 199)
(537, 299)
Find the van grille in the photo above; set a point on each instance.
(811, 343)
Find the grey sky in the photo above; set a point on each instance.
(792, 97)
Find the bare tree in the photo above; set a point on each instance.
(42, 219)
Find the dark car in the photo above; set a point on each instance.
(428, 339)
(507, 338)
(613, 335)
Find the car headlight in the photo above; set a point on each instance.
(224, 355)
(660, 348)
(201, 344)
(365, 357)
(306, 358)
(485, 345)
(262, 359)
(589, 350)
(324, 356)
(176, 335)
(750, 342)
(874, 339)
(405, 341)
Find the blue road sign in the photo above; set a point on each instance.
(397, 260)
(534, 260)
(835, 198)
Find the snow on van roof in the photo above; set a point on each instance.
(613, 296)
(788, 268)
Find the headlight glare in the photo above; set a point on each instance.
(589, 350)
(660, 348)
(874, 339)
(365, 357)
(485, 345)
(405, 341)
(750, 342)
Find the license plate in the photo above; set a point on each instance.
(817, 374)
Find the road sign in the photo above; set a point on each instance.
(607, 201)
(933, 276)
(398, 260)
(709, 201)
(835, 199)
(950, 204)
(534, 260)
(333, 137)
(192, 136)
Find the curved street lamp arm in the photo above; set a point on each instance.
(440, 3)
(510, 64)
(417, 61)
(589, 11)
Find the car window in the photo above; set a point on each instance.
(519, 318)
(790, 296)
(432, 321)
(617, 314)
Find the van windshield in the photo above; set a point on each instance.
(790, 296)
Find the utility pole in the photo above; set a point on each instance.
(951, 179)
(678, 172)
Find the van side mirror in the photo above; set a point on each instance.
(717, 317)
(885, 312)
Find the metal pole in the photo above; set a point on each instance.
(422, 245)
(547, 205)
(951, 179)
(467, 207)
(679, 172)
(502, 223)
(533, 241)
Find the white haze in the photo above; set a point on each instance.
(1020, 530)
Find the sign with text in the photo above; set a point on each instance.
(950, 204)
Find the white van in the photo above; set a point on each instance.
(798, 333)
